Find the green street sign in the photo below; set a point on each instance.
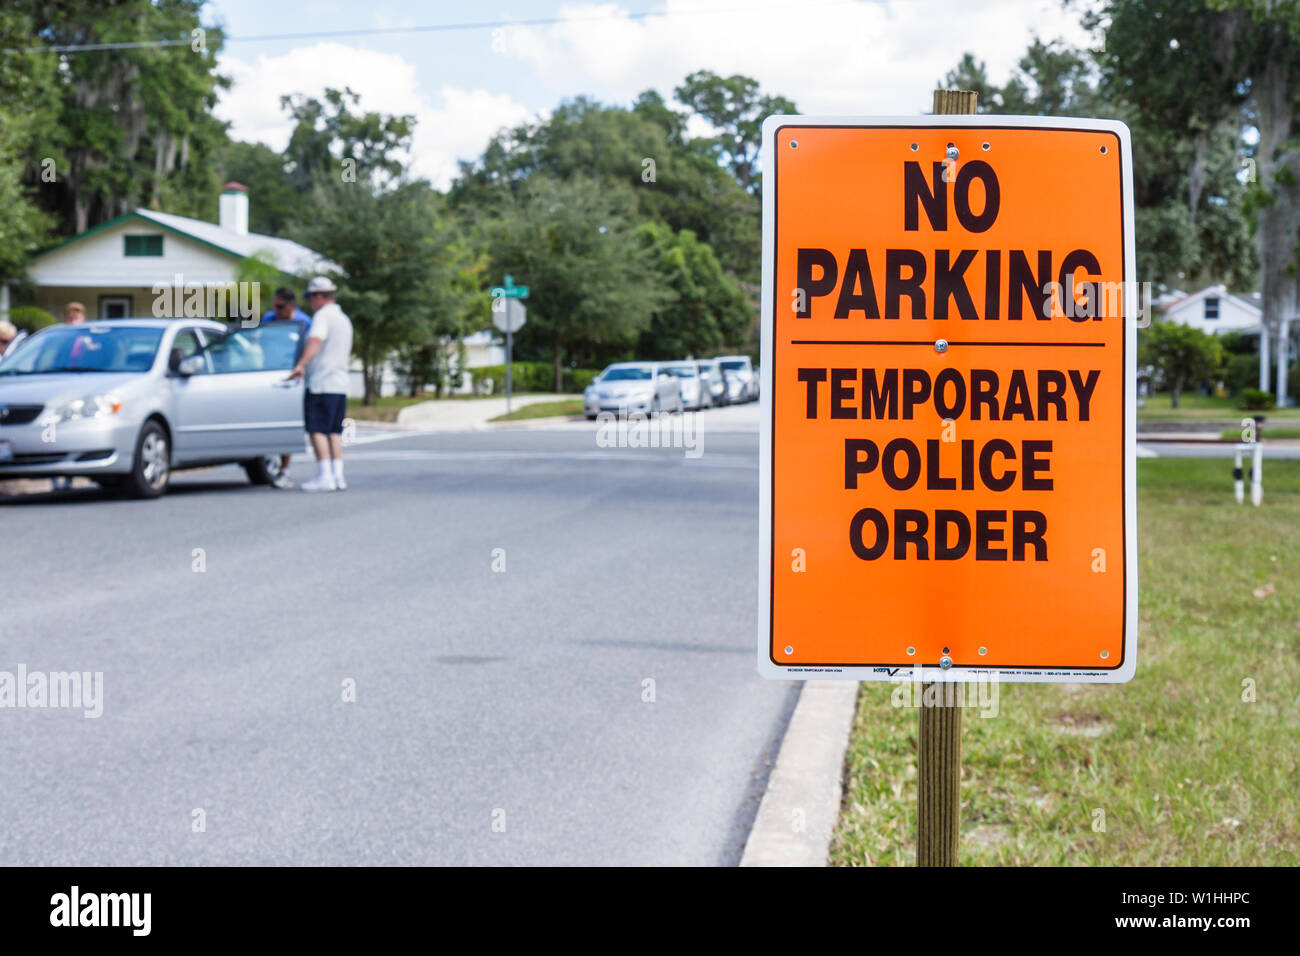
(509, 290)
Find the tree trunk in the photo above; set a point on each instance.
(367, 380)
(1175, 388)
(1278, 170)
(559, 368)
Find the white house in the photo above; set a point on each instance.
(116, 268)
(1215, 310)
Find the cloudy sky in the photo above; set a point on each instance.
(863, 57)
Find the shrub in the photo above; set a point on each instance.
(30, 318)
(1240, 372)
(528, 377)
(577, 379)
(1255, 400)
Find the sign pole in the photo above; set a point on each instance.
(938, 740)
(512, 319)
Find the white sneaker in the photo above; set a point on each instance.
(340, 484)
(320, 484)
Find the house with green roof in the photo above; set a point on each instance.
(116, 269)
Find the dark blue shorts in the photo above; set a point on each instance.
(323, 412)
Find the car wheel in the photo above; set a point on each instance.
(152, 468)
(264, 470)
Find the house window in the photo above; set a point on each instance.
(143, 245)
(1211, 307)
(115, 306)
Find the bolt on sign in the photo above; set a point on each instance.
(948, 438)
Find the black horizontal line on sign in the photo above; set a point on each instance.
(930, 343)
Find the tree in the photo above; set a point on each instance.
(708, 309)
(673, 180)
(28, 99)
(458, 306)
(1182, 356)
(330, 139)
(1197, 66)
(134, 125)
(736, 109)
(592, 284)
(1051, 79)
(390, 250)
(1192, 218)
(261, 272)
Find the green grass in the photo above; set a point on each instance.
(566, 406)
(385, 409)
(1193, 406)
(1267, 431)
(1185, 770)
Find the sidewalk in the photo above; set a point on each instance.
(465, 414)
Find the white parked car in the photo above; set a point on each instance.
(626, 388)
(743, 369)
(695, 387)
(714, 381)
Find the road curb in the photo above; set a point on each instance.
(535, 422)
(797, 817)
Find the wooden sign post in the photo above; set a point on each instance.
(938, 738)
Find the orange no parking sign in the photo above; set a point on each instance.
(948, 399)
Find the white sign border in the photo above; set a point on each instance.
(955, 674)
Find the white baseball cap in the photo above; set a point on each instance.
(320, 284)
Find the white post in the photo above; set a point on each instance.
(1238, 479)
(1283, 347)
(1257, 476)
(1263, 357)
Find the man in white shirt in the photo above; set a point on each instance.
(324, 364)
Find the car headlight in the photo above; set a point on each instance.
(92, 406)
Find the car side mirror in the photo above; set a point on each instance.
(192, 365)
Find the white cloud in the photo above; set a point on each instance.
(456, 128)
(829, 57)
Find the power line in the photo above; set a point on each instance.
(428, 28)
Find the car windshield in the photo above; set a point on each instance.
(84, 347)
(733, 366)
(626, 375)
(682, 371)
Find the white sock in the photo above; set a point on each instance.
(338, 469)
(323, 471)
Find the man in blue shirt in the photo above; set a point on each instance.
(284, 307)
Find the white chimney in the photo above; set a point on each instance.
(232, 214)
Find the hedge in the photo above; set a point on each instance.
(529, 377)
(30, 318)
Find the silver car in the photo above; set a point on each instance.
(695, 388)
(625, 388)
(126, 401)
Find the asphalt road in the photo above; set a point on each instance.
(500, 717)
